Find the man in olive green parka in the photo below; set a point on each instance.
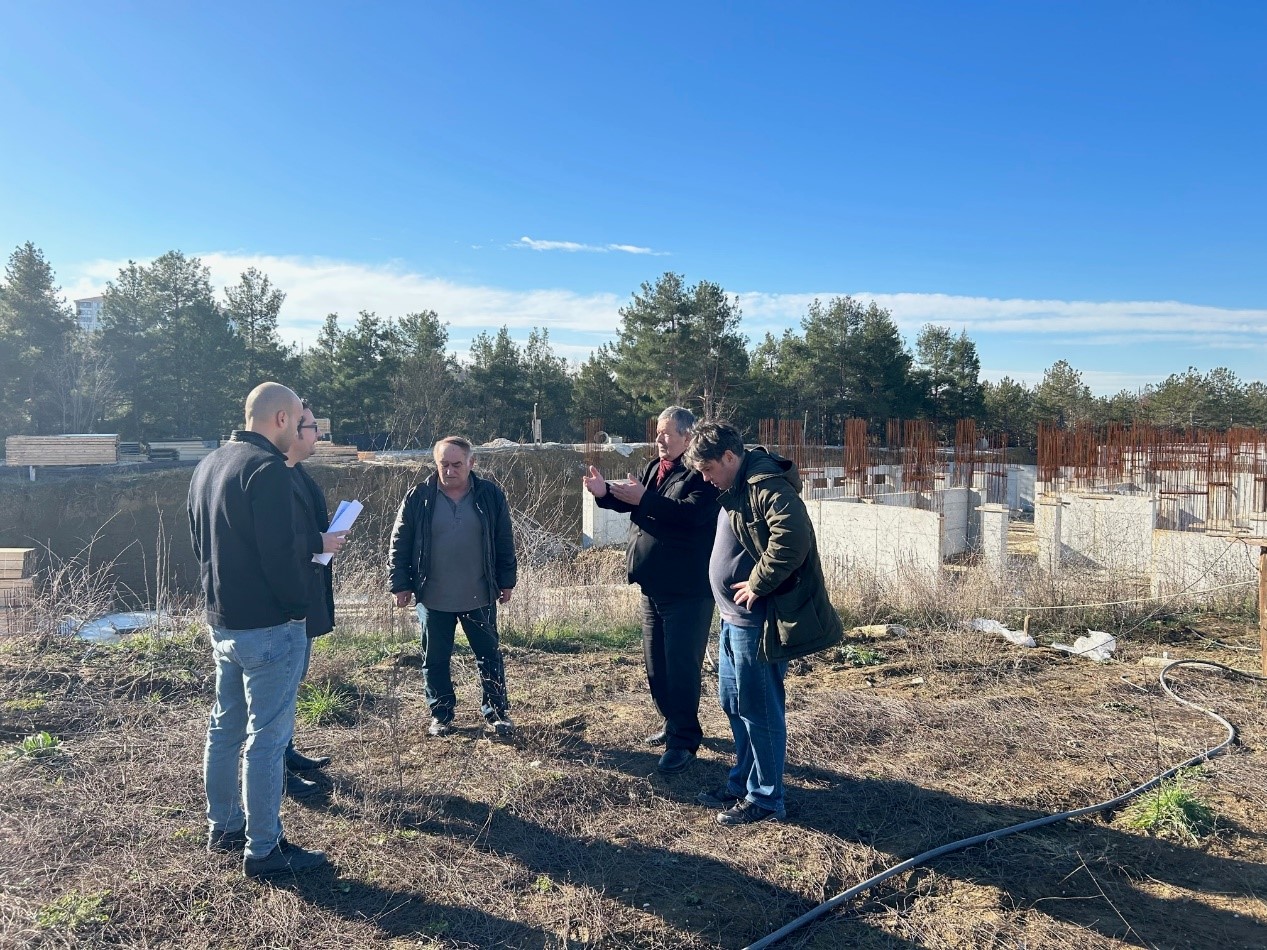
(768, 583)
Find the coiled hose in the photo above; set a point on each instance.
(963, 843)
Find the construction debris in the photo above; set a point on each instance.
(1096, 645)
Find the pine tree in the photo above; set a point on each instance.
(36, 326)
(681, 345)
(253, 307)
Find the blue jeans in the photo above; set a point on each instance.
(480, 627)
(303, 671)
(257, 675)
(674, 638)
(752, 697)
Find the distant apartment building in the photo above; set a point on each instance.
(89, 312)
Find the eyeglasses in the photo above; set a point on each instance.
(311, 425)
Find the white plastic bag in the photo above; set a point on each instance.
(1096, 645)
(1018, 637)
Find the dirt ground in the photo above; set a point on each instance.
(566, 837)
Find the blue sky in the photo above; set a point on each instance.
(1063, 180)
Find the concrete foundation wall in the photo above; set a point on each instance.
(893, 542)
(961, 528)
(601, 527)
(1047, 517)
(1109, 532)
(1191, 563)
(1117, 533)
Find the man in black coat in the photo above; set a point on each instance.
(313, 536)
(672, 520)
(241, 523)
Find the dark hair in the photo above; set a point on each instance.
(711, 440)
(304, 405)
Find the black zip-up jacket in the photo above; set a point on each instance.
(241, 522)
(312, 518)
(670, 533)
(409, 553)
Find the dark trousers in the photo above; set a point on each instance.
(480, 627)
(674, 637)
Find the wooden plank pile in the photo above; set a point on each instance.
(327, 450)
(17, 586)
(80, 449)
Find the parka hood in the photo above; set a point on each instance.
(760, 464)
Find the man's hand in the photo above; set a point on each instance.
(402, 598)
(332, 541)
(504, 597)
(594, 483)
(630, 492)
(744, 596)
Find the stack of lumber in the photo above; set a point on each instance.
(16, 583)
(83, 449)
(183, 450)
(328, 450)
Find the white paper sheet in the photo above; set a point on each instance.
(344, 517)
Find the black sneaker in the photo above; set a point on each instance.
(498, 724)
(746, 813)
(719, 797)
(298, 762)
(285, 858)
(439, 727)
(226, 842)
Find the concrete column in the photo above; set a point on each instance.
(994, 537)
(601, 527)
(1047, 530)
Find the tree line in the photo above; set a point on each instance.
(172, 358)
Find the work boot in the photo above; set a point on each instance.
(285, 858)
(298, 762)
(746, 813)
(497, 723)
(675, 760)
(659, 738)
(226, 842)
(299, 787)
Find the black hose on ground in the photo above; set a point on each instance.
(963, 843)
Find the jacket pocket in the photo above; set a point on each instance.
(794, 616)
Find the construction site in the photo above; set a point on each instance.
(1181, 512)
(1165, 513)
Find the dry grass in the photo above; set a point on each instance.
(566, 836)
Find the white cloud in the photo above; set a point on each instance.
(1108, 323)
(573, 246)
(579, 323)
(315, 287)
(1101, 382)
